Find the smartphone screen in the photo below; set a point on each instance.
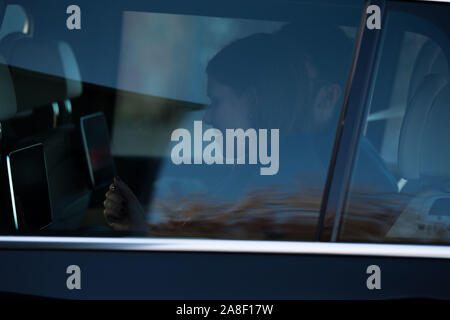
(29, 188)
(94, 131)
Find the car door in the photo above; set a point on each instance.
(350, 99)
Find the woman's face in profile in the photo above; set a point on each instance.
(228, 109)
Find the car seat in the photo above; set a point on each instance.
(424, 159)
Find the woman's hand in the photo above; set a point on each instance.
(123, 212)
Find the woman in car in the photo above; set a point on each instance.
(262, 81)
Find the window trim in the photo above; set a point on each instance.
(223, 246)
(347, 136)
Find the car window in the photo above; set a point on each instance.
(218, 196)
(399, 188)
(195, 121)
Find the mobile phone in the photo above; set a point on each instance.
(94, 132)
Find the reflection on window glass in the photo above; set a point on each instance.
(199, 120)
(242, 114)
(171, 65)
(406, 197)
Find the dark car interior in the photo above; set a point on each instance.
(44, 106)
(417, 152)
(38, 96)
(50, 78)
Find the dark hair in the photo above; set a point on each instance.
(275, 65)
(326, 47)
(257, 62)
(240, 63)
(328, 51)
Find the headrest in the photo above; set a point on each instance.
(411, 134)
(431, 59)
(43, 72)
(8, 42)
(435, 153)
(7, 95)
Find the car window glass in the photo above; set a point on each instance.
(404, 197)
(218, 121)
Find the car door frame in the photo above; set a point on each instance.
(335, 256)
